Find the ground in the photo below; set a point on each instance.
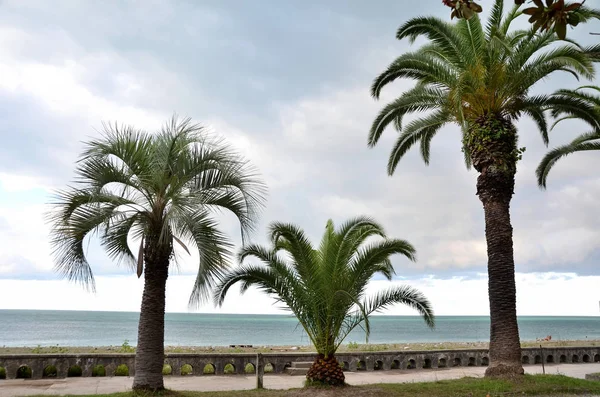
(533, 385)
(352, 347)
(458, 381)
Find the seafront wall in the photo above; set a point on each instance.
(37, 366)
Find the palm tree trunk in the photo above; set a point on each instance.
(326, 371)
(150, 354)
(492, 144)
(505, 346)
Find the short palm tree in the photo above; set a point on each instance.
(162, 190)
(588, 111)
(325, 288)
(480, 78)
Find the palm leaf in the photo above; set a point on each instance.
(581, 144)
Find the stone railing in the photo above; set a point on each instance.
(37, 366)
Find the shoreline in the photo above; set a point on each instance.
(349, 347)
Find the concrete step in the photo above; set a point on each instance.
(296, 371)
(302, 364)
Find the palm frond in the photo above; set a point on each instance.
(421, 130)
(372, 259)
(566, 103)
(539, 117)
(352, 234)
(404, 295)
(472, 34)
(72, 221)
(292, 239)
(416, 100)
(437, 31)
(423, 66)
(115, 238)
(495, 21)
(510, 17)
(585, 142)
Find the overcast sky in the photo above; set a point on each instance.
(286, 83)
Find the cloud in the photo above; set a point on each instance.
(27, 250)
(289, 89)
(12, 183)
(537, 295)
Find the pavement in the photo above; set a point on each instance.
(81, 386)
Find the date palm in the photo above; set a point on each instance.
(325, 288)
(480, 78)
(588, 111)
(162, 190)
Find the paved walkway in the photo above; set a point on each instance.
(79, 386)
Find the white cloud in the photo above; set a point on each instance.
(26, 234)
(268, 157)
(537, 295)
(12, 183)
(59, 89)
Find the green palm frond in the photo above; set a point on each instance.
(510, 17)
(573, 104)
(352, 234)
(115, 240)
(163, 189)
(424, 66)
(290, 238)
(495, 22)
(586, 14)
(325, 288)
(586, 142)
(593, 52)
(473, 37)
(404, 295)
(372, 259)
(438, 32)
(538, 115)
(418, 99)
(421, 130)
(566, 59)
(528, 46)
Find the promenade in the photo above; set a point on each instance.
(81, 386)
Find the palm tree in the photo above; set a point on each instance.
(588, 111)
(162, 190)
(325, 288)
(480, 78)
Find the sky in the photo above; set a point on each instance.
(286, 84)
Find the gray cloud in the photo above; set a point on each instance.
(288, 85)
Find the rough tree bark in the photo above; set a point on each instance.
(505, 346)
(493, 148)
(150, 354)
(326, 371)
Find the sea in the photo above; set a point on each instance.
(94, 328)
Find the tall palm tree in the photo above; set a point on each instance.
(162, 190)
(480, 77)
(325, 288)
(588, 111)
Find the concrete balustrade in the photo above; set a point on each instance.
(37, 366)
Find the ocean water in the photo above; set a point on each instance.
(80, 328)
